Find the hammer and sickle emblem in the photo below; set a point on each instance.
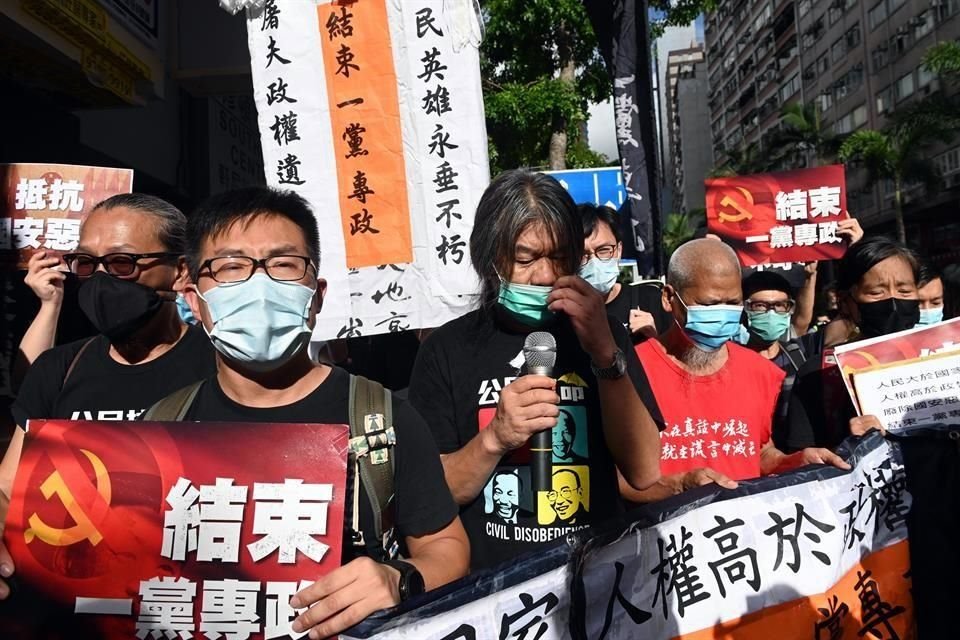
(741, 213)
(83, 529)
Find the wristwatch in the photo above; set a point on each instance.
(614, 371)
(411, 582)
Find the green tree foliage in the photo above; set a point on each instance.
(943, 58)
(741, 161)
(803, 135)
(541, 68)
(677, 229)
(677, 13)
(900, 151)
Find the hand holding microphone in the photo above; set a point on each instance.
(527, 406)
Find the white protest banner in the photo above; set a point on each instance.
(807, 554)
(373, 112)
(922, 391)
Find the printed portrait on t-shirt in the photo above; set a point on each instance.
(507, 495)
(569, 436)
(568, 502)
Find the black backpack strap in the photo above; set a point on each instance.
(76, 359)
(794, 352)
(372, 439)
(175, 406)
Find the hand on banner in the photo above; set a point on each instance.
(527, 405)
(702, 476)
(815, 455)
(587, 311)
(850, 229)
(860, 425)
(642, 322)
(45, 279)
(345, 596)
(6, 562)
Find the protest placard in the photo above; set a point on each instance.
(373, 112)
(921, 391)
(908, 345)
(787, 216)
(129, 529)
(44, 205)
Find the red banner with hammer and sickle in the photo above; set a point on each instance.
(788, 216)
(120, 529)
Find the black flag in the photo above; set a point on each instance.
(622, 31)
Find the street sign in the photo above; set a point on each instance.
(600, 186)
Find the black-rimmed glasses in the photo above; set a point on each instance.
(233, 269)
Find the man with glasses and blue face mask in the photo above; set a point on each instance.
(253, 256)
(469, 379)
(715, 398)
(637, 307)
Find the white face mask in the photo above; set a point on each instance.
(259, 323)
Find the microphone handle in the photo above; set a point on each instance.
(541, 448)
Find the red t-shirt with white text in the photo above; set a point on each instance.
(721, 420)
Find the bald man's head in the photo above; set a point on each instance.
(701, 258)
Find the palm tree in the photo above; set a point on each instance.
(740, 161)
(676, 231)
(804, 132)
(943, 58)
(899, 152)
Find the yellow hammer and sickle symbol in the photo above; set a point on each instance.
(83, 529)
(742, 214)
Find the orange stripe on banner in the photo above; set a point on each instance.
(882, 598)
(367, 141)
(814, 616)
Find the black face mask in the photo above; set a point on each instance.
(887, 316)
(117, 308)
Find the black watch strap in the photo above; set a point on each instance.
(411, 582)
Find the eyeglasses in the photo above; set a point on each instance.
(760, 306)
(603, 252)
(232, 269)
(119, 265)
(566, 492)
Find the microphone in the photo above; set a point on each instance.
(540, 354)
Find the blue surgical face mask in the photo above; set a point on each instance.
(768, 326)
(527, 303)
(259, 323)
(930, 316)
(184, 310)
(601, 274)
(712, 326)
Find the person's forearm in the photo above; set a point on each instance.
(803, 314)
(468, 469)
(662, 489)
(10, 462)
(41, 335)
(630, 432)
(445, 558)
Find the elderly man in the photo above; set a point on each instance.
(715, 398)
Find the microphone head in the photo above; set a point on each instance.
(540, 352)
